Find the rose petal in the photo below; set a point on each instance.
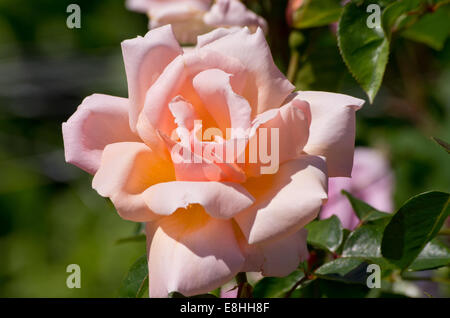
(191, 253)
(156, 114)
(99, 120)
(266, 86)
(286, 131)
(185, 17)
(285, 201)
(227, 108)
(176, 80)
(233, 13)
(214, 35)
(219, 199)
(183, 112)
(283, 256)
(190, 166)
(145, 59)
(127, 169)
(332, 131)
(276, 258)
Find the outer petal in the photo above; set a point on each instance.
(286, 131)
(275, 258)
(233, 13)
(219, 199)
(266, 86)
(282, 257)
(145, 58)
(286, 201)
(332, 131)
(99, 120)
(126, 170)
(191, 253)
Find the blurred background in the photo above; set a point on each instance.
(49, 215)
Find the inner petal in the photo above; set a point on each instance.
(228, 109)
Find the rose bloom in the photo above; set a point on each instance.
(371, 181)
(206, 221)
(190, 18)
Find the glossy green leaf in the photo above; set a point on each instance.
(336, 289)
(434, 255)
(325, 234)
(432, 29)
(413, 226)
(349, 270)
(365, 243)
(396, 14)
(365, 50)
(274, 287)
(316, 13)
(135, 284)
(364, 211)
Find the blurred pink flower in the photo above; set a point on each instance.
(190, 18)
(292, 6)
(371, 181)
(228, 293)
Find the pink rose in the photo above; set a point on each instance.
(190, 18)
(209, 219)
(371, 182)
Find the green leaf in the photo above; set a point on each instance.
(432, 29)
(415, 224)
(316, 13)
(442, 143)
(135, 283)
(348, 270)
(274, 287)
(325, 234)
(434, 255)
(396, 14)
(365, 50)
(365, 244)
(336, 289)
(215, 292)
(364, 211)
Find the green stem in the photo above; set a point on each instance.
(293, 66)
(301, 281)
